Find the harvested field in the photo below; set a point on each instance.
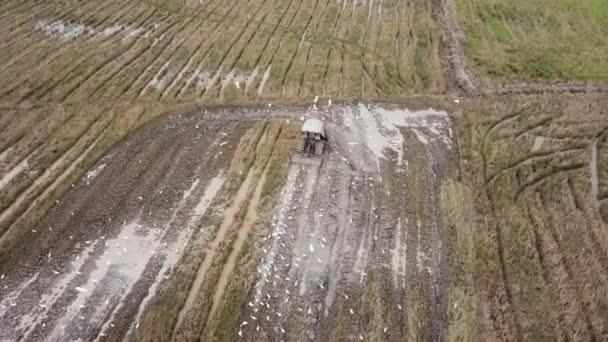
(217, 50)
(146, 193)
(537, 170)
(115, 234)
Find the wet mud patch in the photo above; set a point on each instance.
(100, 253)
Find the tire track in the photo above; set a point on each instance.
(21, 163)
(553, 240)
(346, 36)
(310, 47)
(39, 38)
(11, 10)
(70, 75)
(211, 83)
(227, 222)
(31, 188)
(289, 65)
(546, 121)
(213, 38)
(256, 30)
(107, 44)
(282, 38)
(257, 65)
(546, 175)
(566, 328)
(107, 63)
(190, 60)
(156, 58)
(243, 232)
(505, 314)
(52, 55)
(23, 35)
(142, 76)
(45, 184)
(122, 67)
(531, 159)
(69, 68)
(331, 49)
(4, 31)
(380, 26)
(240, 54)
(186, 66)
(506, 287)
(20, 132)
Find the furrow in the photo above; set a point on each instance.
(167, 59)
(70, 67)
(229, 218)
(136, 56)
(230, 47)
(213, 39)
(293, 57)
(53, 53)
(42, 185)
(257, 65)
(283, 34)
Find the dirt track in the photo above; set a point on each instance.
(363, 234)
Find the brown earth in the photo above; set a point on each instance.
(363, 234)
(122, 221)
(154, 181)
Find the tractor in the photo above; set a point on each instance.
(310, 144)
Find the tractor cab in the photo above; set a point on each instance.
(310, 144)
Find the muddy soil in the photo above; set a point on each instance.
(360, 236)
(90, 266)
(357, 250)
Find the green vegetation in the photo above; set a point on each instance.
(523, 40)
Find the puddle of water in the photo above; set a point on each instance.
(398, 257)
(67, 31)
(10, 298)
(61, 30)
(160, 82)
(173, 254)
(119, 267)
(95, 172)
(378, 128)
(264, 80)
(29, 321)
(13, 173)
(277, 234)
(188, 192)
(538, 143)
(594, 175)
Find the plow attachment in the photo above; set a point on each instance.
(300, 158)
